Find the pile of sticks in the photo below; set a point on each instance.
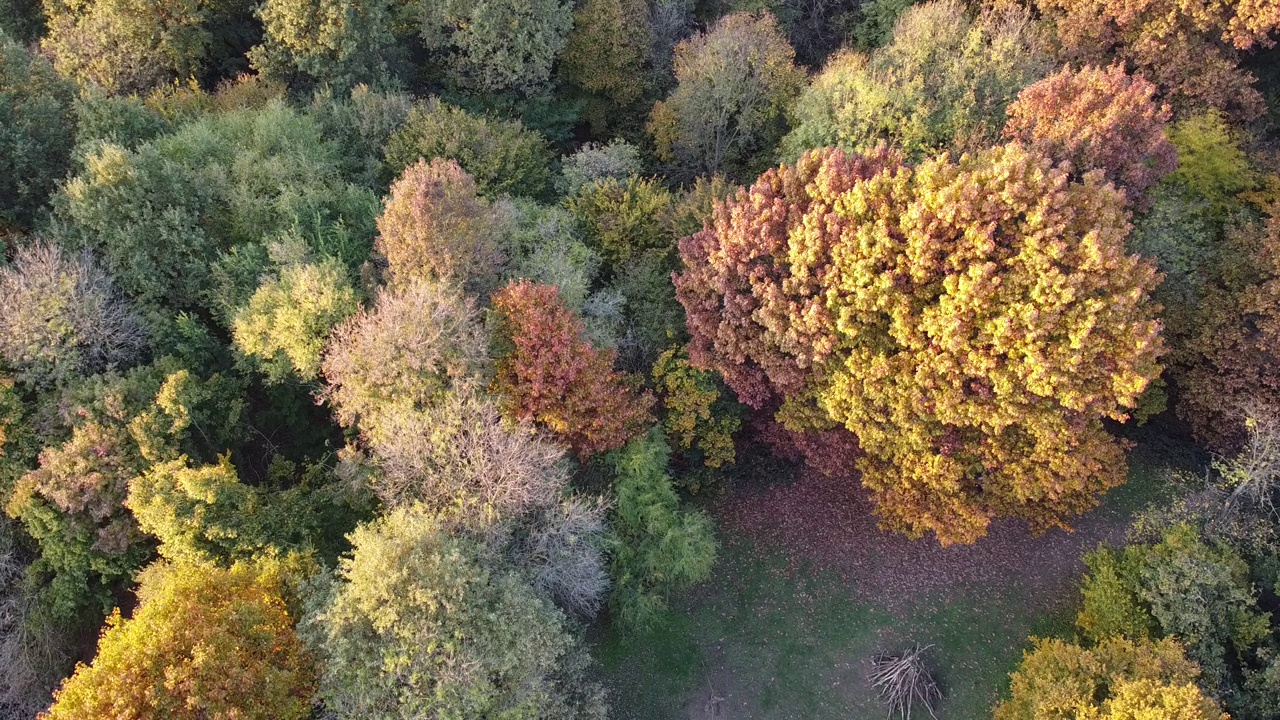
(903, 681)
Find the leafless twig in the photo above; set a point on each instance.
(903, 680)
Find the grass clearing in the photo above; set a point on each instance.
(769, 639)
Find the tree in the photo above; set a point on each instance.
(64, 318)
(501, 155)
(657, 547)
(361, 123)
(37, 125)
(286, 321)
(206, 515)
(623, 218)
(339, 43)
(733, 85)
(73, 503)
(1211, 162)
(204, 642)
(618, 159)
(1111, 607)
(1116, 680)
(696, 420)
(128, 46)
(942, 84)
(939, 313)
(1225, 372)
(459, 457)
(416, 344)
(435, 227)
(605, 57)
(488, 478)
(548, 373)
(33, 646)
(421, 623)
(546, 246)
(1101, 119)
(1181, 580)
(187, 217)
(1190, 49)
(73, 506)
(496, 46)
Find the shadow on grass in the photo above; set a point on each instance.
(767, 639)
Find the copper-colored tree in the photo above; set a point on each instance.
(549, 373)
(1098, 119)
(1189, 48)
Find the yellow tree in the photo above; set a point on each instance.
(205, 642)
(972, 322)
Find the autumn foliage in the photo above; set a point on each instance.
(972, 322)
(205, 643)
(1190, 49)
(435, 226)
(1098, 119)
(1229, 371)
(550, 374)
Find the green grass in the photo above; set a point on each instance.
(780, 645)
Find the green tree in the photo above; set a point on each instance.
(605, 58)
(942, 83)
(1111, 608)
(128, 46)
(339, 43)
(545, 245)
(623, 218)
(285, 324)
(733, 85)
(618, 159)
(421, 623)
(186, 218)
(37, 126)
(1185, 582)
(361, 123)
(657, 547)
(1211, 162)
(203, 642)
(494, 46)
(501, 155)
(207, 515)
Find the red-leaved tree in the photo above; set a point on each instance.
(549, 373)
(1098, 119)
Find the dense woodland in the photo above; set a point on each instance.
(359, 357)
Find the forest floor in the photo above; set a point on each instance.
(807, 590)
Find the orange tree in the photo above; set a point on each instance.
(549, 373)
(1189, 48)
(204, 643)
(1098, 119)
(972, 322)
